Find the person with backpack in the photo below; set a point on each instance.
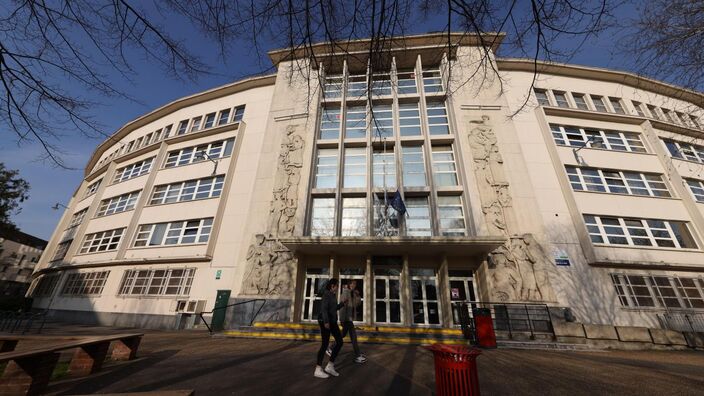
(351, 299)
(327, 319)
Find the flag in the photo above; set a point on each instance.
(397, 203)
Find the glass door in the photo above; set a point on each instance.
(356, 274)
(461, 290)
(315, 280)
(387, 295)
(424, 293)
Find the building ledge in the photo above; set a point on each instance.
(450, 246)
(62, 266)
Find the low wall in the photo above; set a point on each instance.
(118, 319)
(625, 337)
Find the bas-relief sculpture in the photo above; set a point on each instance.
(518, 268)
(270, 264)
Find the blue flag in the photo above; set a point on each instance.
(397, 203)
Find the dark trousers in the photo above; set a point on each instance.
(325, 334)
(349, 327)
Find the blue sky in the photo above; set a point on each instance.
(152, 88)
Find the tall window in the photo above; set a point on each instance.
(407, 82)
(444, 170)
(418, 220)
(409, 119)
(85, 283)
(561, 98)
(326, 169)
(437, 118)
(134, 170)
(223, 117)
(323, 217)
(330, 123)
(103, 241)
(209, 121)
(333, 87)
(432, 81)
(639, 108)
(357, 86)
(92, 188)
(355, 172)
(209, 187)
(354, 217)
(451, 216)
(617, 106)
(593, 138)
(381, 84)
(157, 282)
(182, 127)
(654, 113)
(174, 233)
(195, 125)
(639, 232)
(382, 121)
(599, 103)
(413, 166)
(617, 182)
(118, 204)
(239, 114)
(384, 169)
(580, 101)
(204, 152)
(542, 96)
(356, 122)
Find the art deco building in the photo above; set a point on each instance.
(575, 187)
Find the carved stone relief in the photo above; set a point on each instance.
(270, 263)
(518, 268)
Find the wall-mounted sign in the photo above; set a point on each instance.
(455, 292)
(561, 257)
(218, 274)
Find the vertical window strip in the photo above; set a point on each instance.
(326, 169)
(333, 87)
(384, 169)
(409, 119)
(444, 169)
(356, 122)
(355, 168)
(432, 81)
(330, 120)
(407, 82)
(189, 190)
(322, 217)
(451, 216)
(418, 221)
(438, 123)
(354, 217)
(413, 166)
(382, 121)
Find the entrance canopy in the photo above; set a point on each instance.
(450, 246)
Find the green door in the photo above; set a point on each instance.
(221, 300)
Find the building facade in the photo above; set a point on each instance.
(572, 186)
(19, 253)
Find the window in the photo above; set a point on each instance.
(157, 282)
(599, 104)
(639, 108)
(593, 138)
(209, 121)
(204, 152)
(322, 222)
(333, 87)
(580, 101)
(618, 182)
(384, 169)
(444, 170)
(134, 170)
(695, 121)
(437, 119)
(195, 125)
(61, 250)
(432, 81)
(616, 105)
(166, 132)
(356, 122)
(670, 116)
(118, 204)
(85, 283)
(102, 241)
(639, 232)
(407, 82)
(209, 187)
(413, 166)
(381, 84)
(682, 119)
(409, 119)
(659, 291)
(223, 117)
(687, 151)
(239, 114)
(418, 220)
(561, 99)
(92, 188)
(654, 113)
(357, 86)
(330, 123)
(174, 233)
(382, 121)
(355, 167)
(354, 217)
(326, 169)
(45, 285)
(697, 189)
(451, 216)
(182, 127)
(77, 218)
(542, 96)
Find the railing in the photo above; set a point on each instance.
(682, 321)
(510, 317)
(254, 314)
(22, 322)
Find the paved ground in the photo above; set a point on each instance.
(227, 366)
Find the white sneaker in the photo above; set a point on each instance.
(330, 369)
(360, 359)
(320, 373)
(328, 351)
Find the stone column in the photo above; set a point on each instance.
(444, 294)
(406, 303)
(368, 292)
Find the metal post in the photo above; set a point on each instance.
(530, 324)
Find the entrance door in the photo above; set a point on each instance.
(221, 299)
(346, 276)
(461, 290)
(387, 295)
(424, 293)
(315, 279)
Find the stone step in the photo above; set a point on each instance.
(379, 338)
(553, 346)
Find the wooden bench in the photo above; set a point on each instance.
(28, 371)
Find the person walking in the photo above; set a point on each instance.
(327, 319)
(351, 299)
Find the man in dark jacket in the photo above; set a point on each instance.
(351, 299)
(327, 319)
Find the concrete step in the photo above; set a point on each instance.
(550, 346)
(378, 338)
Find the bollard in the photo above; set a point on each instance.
(455, 370)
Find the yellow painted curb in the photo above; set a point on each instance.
(315, 337)
(380, 329)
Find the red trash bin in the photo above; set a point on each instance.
(455, 370)
(484, 328)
